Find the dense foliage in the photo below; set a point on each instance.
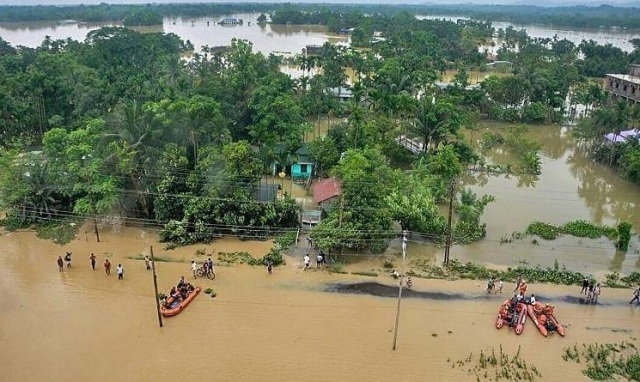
(573, 16)
(578, 228)
(121, 126)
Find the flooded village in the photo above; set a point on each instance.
(341, 318)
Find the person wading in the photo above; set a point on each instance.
(107, 267)
(92, 258)
(60, 264)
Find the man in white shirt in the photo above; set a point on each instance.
(194, 269)
(120, 272)
(307, 261)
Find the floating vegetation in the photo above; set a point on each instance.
(607, 361)
(490, 366)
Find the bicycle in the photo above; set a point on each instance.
(209, 273)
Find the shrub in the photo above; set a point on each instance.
(59, 233)
(387, 264)
(624, 236)
(208, 291)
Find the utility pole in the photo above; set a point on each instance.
(452, 194)
(155, 285)
(404, 254)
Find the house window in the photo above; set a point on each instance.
(303, 168)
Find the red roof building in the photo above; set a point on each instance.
(326, 189)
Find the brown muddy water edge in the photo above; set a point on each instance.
(82, 325)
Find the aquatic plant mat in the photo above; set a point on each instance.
(606, 362)
(492, 365)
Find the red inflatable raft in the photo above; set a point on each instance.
(514, 318)
(172, 307)
(544, 319)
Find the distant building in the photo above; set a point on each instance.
(230, 21)
(624, 85)
(344, 94)
(312, 50)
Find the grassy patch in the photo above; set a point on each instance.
(604, 362)
(372, 274)
(240, 257)
(578, 228)
(492, 366)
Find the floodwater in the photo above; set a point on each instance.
(571, 187)
(279, 39)
(615, 36)
(82, 325)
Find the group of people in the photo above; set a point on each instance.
(207, 267)
(321, 259)
(591, 290)
(92, 261)
(491, 286)
(178, 293)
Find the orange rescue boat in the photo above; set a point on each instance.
(544, 318)
(172, 307)
(514, 317)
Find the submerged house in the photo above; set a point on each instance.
(230, 21)
(624, 85)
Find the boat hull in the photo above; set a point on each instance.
(173, 311)
(542, 327)
(505, 318)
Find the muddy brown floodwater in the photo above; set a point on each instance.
(82, 325)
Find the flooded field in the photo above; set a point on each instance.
(82, 325)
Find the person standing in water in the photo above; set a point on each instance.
(270, 267)
(518, 281)
(107, 267)
(92, 258)
(60, 264)
(67, 258)
(146, 262)
(636, 296)
(120, 272)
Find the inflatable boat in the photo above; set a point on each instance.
(544, 319)
(173, 307)
(514, 317)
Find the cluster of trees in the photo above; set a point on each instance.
(613, 117)
(120, 124)
(574, 16)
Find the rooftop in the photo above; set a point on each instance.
(326, 189)
(626, 77)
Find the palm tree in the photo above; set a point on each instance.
(131, 128)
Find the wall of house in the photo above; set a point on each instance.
(301, 170)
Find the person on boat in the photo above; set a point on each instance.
(92, 258)
(636, 296)
(532, 299)
(107, 267)
(538, 309)
(181, 282)
(548, 310)
(60, 264)
(514, 301)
